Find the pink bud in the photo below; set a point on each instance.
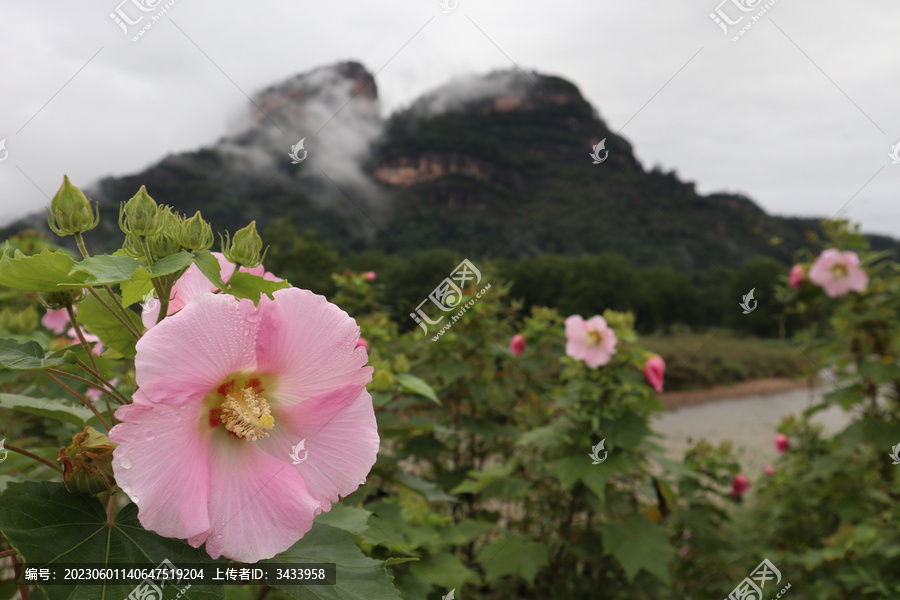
(654, 371)
(370, 276)
(363, 342)
(517, 344)
(781, 442)
(739, 485)
(768, 469)
(797, 276)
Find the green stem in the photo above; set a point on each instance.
(77, 328)
(126, 323)
(41, 459)
(93, 384)
(116, 392)
(163, 298)
(84, 400)
(6, 553)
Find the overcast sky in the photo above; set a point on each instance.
(800, 114)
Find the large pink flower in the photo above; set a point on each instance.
(249, 421)
(592, 341)
(838, 273)
(192, 284)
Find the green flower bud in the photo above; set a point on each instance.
(245, 248)
(87, 463)
(166, 242)
(196, 234)
(140, 215)
(70, 358)
(71, 211)
(383, 381)
(132, 246)
(59, 299)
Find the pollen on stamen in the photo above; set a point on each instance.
(246, 414)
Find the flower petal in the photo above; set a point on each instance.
(188, 354)
(341, 440)
(310, 344)
(259, 505)
(163, 465)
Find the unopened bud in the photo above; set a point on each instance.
(87, 463)
(59, 299)
(166, 242)
(383, 381)
(70, 211)
(245, 248)
(196, 234)
(70, 358)
(132, 246)
(140, 215)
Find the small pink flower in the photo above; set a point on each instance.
(739, 485)
(94, 394)
(517, 344)
(370, 276)
(781, 442)
(592, 341)
(838, 273)
(193, 283)
(363, 343)
(56, 320)
(654, 371)
(683, 551)
(89, 338)
(768, 469)
(797, 276)
(229, 394)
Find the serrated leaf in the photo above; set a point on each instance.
(101, 323)
(171, 264)
(478, 480)
(134, 291)
(45, 407)
(358, 576)
(398, 561)
(209, 266)
(546, 437)
(444, 570)
(46, 524)
(105, 269)
(515, 555)
(348, 518)
(29, 355)
(416, 385)
(245, 285)
(638, 544)
(42, 272)
(428, 489)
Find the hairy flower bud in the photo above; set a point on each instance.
(59, 299)
(245, 248)
(140, 215)
(132, 246)
(196, 234)
(70, 211)
(166, 242)
(87, 463)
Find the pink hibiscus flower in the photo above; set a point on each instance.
(370, 275)
(228, 392)
(592, 341)
(517, 344)
(56, 321)
(654, 371)
(192, 284)
(838, 273)
(739, 485)
(797, 276)
(781, 442)
(90, 338)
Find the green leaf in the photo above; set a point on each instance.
(209, 266)
(171, 264)
(42, 272)
(398, 561)
(46, 524)
(29, 355)
(546, 437)
(478, 480)
(628, 431)
(358, 576)
(101, 323)
(444, 570)
(245, 285)
(411, 383)
(639, 544)
(105, 269)
(46, 407)
(428, 489)
(134, 291)
(348, 518)
(515, 555)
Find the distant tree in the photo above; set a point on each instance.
(302, 260)
(760, 275)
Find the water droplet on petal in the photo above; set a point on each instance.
(134, 499)
(125, 462)
(149, 435)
